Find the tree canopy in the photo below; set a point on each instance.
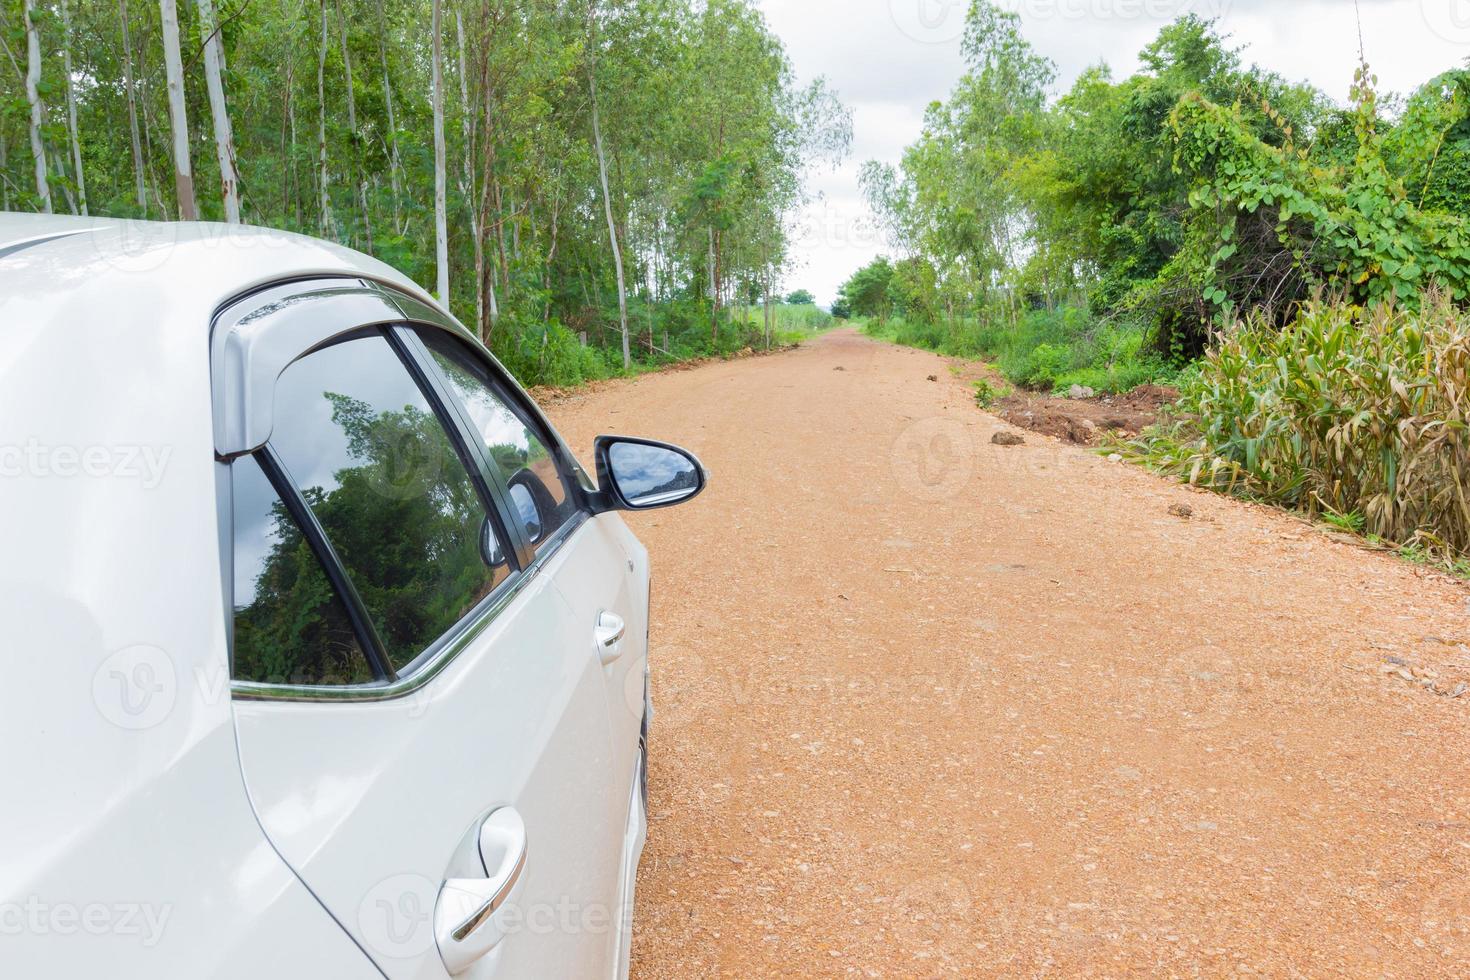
(701, 141)
(1191, 191)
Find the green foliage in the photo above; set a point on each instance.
(1191, 192)
(1269, 225)
(1045, 350)
(867, 292)
(1344, 411)
(707, 134)
(801, 298)
(987, 392)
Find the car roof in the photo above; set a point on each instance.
(201, 264)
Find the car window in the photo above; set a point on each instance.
(290, 625)
(381, 474)
(518, 449)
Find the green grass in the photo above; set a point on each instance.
(987, 393)
(1044, 350)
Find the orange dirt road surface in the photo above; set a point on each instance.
(927, 706)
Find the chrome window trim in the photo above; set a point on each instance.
(436, 658)
(245, 364)
(451, 645)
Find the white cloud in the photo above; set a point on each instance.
(890, 58)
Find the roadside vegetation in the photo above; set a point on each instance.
(1298, 267)
(1357, 416)
(595, 187)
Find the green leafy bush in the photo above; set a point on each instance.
(987, 392)
(1345, 411)
(1045, 349)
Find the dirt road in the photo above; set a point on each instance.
(927, 706)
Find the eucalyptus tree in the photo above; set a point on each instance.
(595, 173)
(37, 107)
(224, 139)
(178, 112)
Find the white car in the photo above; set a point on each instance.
(323, 655)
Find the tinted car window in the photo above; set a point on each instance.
(290, 625)
(538, 489)
(383, 477)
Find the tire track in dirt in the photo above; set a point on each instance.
(927, 706)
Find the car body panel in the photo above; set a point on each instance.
(116, 712)
(606, 570)
(369, 801)
(119, 616)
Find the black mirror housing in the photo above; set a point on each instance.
(642, 474)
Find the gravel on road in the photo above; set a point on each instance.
(929, 706)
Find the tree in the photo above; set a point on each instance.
(801, 298)
(324, 176)
(224, 139)
(612, 227)
(78, 172)
(129, 87)
(178, 113)
(628, 179)
(867, 292)
(38, 109)
(441, 209)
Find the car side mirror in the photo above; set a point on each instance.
(640, 474)
(490, 549)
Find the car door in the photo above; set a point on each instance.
(599, 568)
(596, 565)
(422, 726)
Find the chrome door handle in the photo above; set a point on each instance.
(465, 923)
(609, 633)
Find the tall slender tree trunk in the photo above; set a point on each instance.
(467, 183)
(394, 165)
(127, 39)
(714, 291)
(612, 228)
(500, 213)
(288, 153)
(58, 165)
(149, 125)
(324, 178)
(770, 317)
(551, 252)
(224, 136)
(362, 196)
(38, 110)
(178, 114)
(441, 218)
(71, 106)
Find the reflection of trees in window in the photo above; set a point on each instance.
(406, 523)
(517, 452)
(296, 630)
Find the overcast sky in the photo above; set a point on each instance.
(890, 58)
